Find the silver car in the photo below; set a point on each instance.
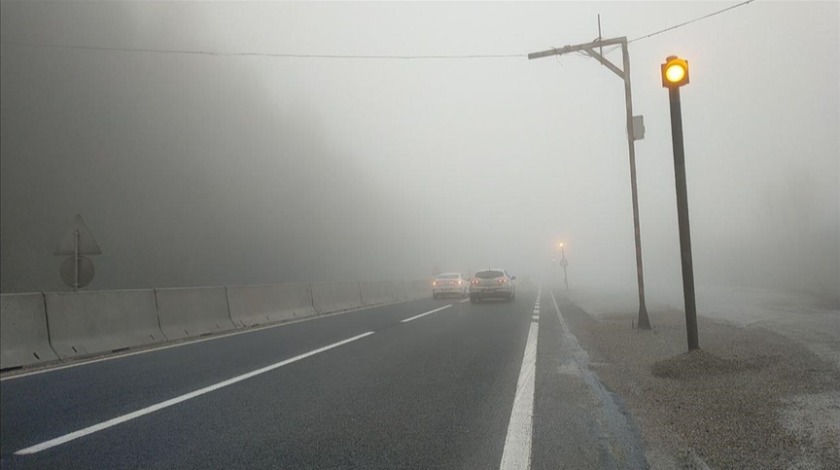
(449, 284)
(492, 283)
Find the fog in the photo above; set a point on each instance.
(239, 166)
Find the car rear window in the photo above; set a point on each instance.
(449, 276)
(489, 274)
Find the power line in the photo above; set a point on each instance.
(612, 49)
(691, 21)
(269, 54)
(348, 56)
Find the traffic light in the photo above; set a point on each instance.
(674, 76)
(674, 72)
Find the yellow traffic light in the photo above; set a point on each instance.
(674, 72)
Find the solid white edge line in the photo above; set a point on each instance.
(517, 451)
(174, 401)
(415, 317)
(554, 301)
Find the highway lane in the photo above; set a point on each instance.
(92, 393)
(433, 392)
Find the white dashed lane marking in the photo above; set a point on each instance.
(424, 314)
(174, 401)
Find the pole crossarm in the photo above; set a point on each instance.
(589, 49)
(605, 62)
(577, 47)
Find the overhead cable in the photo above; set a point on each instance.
(348, 56)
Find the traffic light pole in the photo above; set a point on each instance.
(682, 216)
(624, 74)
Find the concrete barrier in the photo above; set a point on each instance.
(24, 339)
(193, 311)
(420, 288)
(82, 323)
(59, 325)
(329, 297)
(254, 305)
(378, 292)
(401, 290)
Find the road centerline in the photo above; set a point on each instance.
(174, 401)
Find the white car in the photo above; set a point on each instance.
(492, 283)
(449, 284)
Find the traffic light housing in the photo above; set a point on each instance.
(674, 72)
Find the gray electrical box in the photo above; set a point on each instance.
(638, 127)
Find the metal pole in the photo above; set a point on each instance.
(644, 321)
(682, 216)
(76, 261)
(565, 277)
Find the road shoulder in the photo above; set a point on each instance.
(751, 398)
(578, 422)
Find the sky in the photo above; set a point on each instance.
(244, 165)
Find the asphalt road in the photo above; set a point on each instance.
(469, 386)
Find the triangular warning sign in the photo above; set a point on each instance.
(87, 245)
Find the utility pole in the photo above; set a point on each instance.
(624, 74)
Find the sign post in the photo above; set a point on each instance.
(77, 271)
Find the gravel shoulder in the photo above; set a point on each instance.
(750, 398)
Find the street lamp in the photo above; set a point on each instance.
(564, 263)
(675, 75)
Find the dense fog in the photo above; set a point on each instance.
(230, 143)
